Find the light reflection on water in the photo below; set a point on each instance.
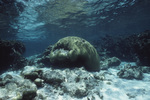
(46, 21)
(69, 14)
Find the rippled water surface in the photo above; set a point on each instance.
(50, 20)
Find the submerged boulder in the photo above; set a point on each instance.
(45, 57)
(75, 51)
(11, 54)
(142, 48)
(133, 48)
(109, 62)
(77, 83)
(145, 69)
(131, 72)
(15, 87)
(52, 77)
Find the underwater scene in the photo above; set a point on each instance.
(74, 49)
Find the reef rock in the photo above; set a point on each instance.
(107, 63)
(133, 48)
(31, 73)
(130, 72)
(15, 87)
(52, 77)
(76, 82)
(45, 57)
(75, 51)
(142, 48)
(11, 54)
(145, 69)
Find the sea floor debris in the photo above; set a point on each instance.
(71, 84)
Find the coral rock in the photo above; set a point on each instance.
(11, 54)
(131, 72)
(107, 63)
(75, 51)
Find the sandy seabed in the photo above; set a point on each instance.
(74, 84)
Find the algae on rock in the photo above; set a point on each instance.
(75, 51)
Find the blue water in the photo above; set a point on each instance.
(39, 23)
